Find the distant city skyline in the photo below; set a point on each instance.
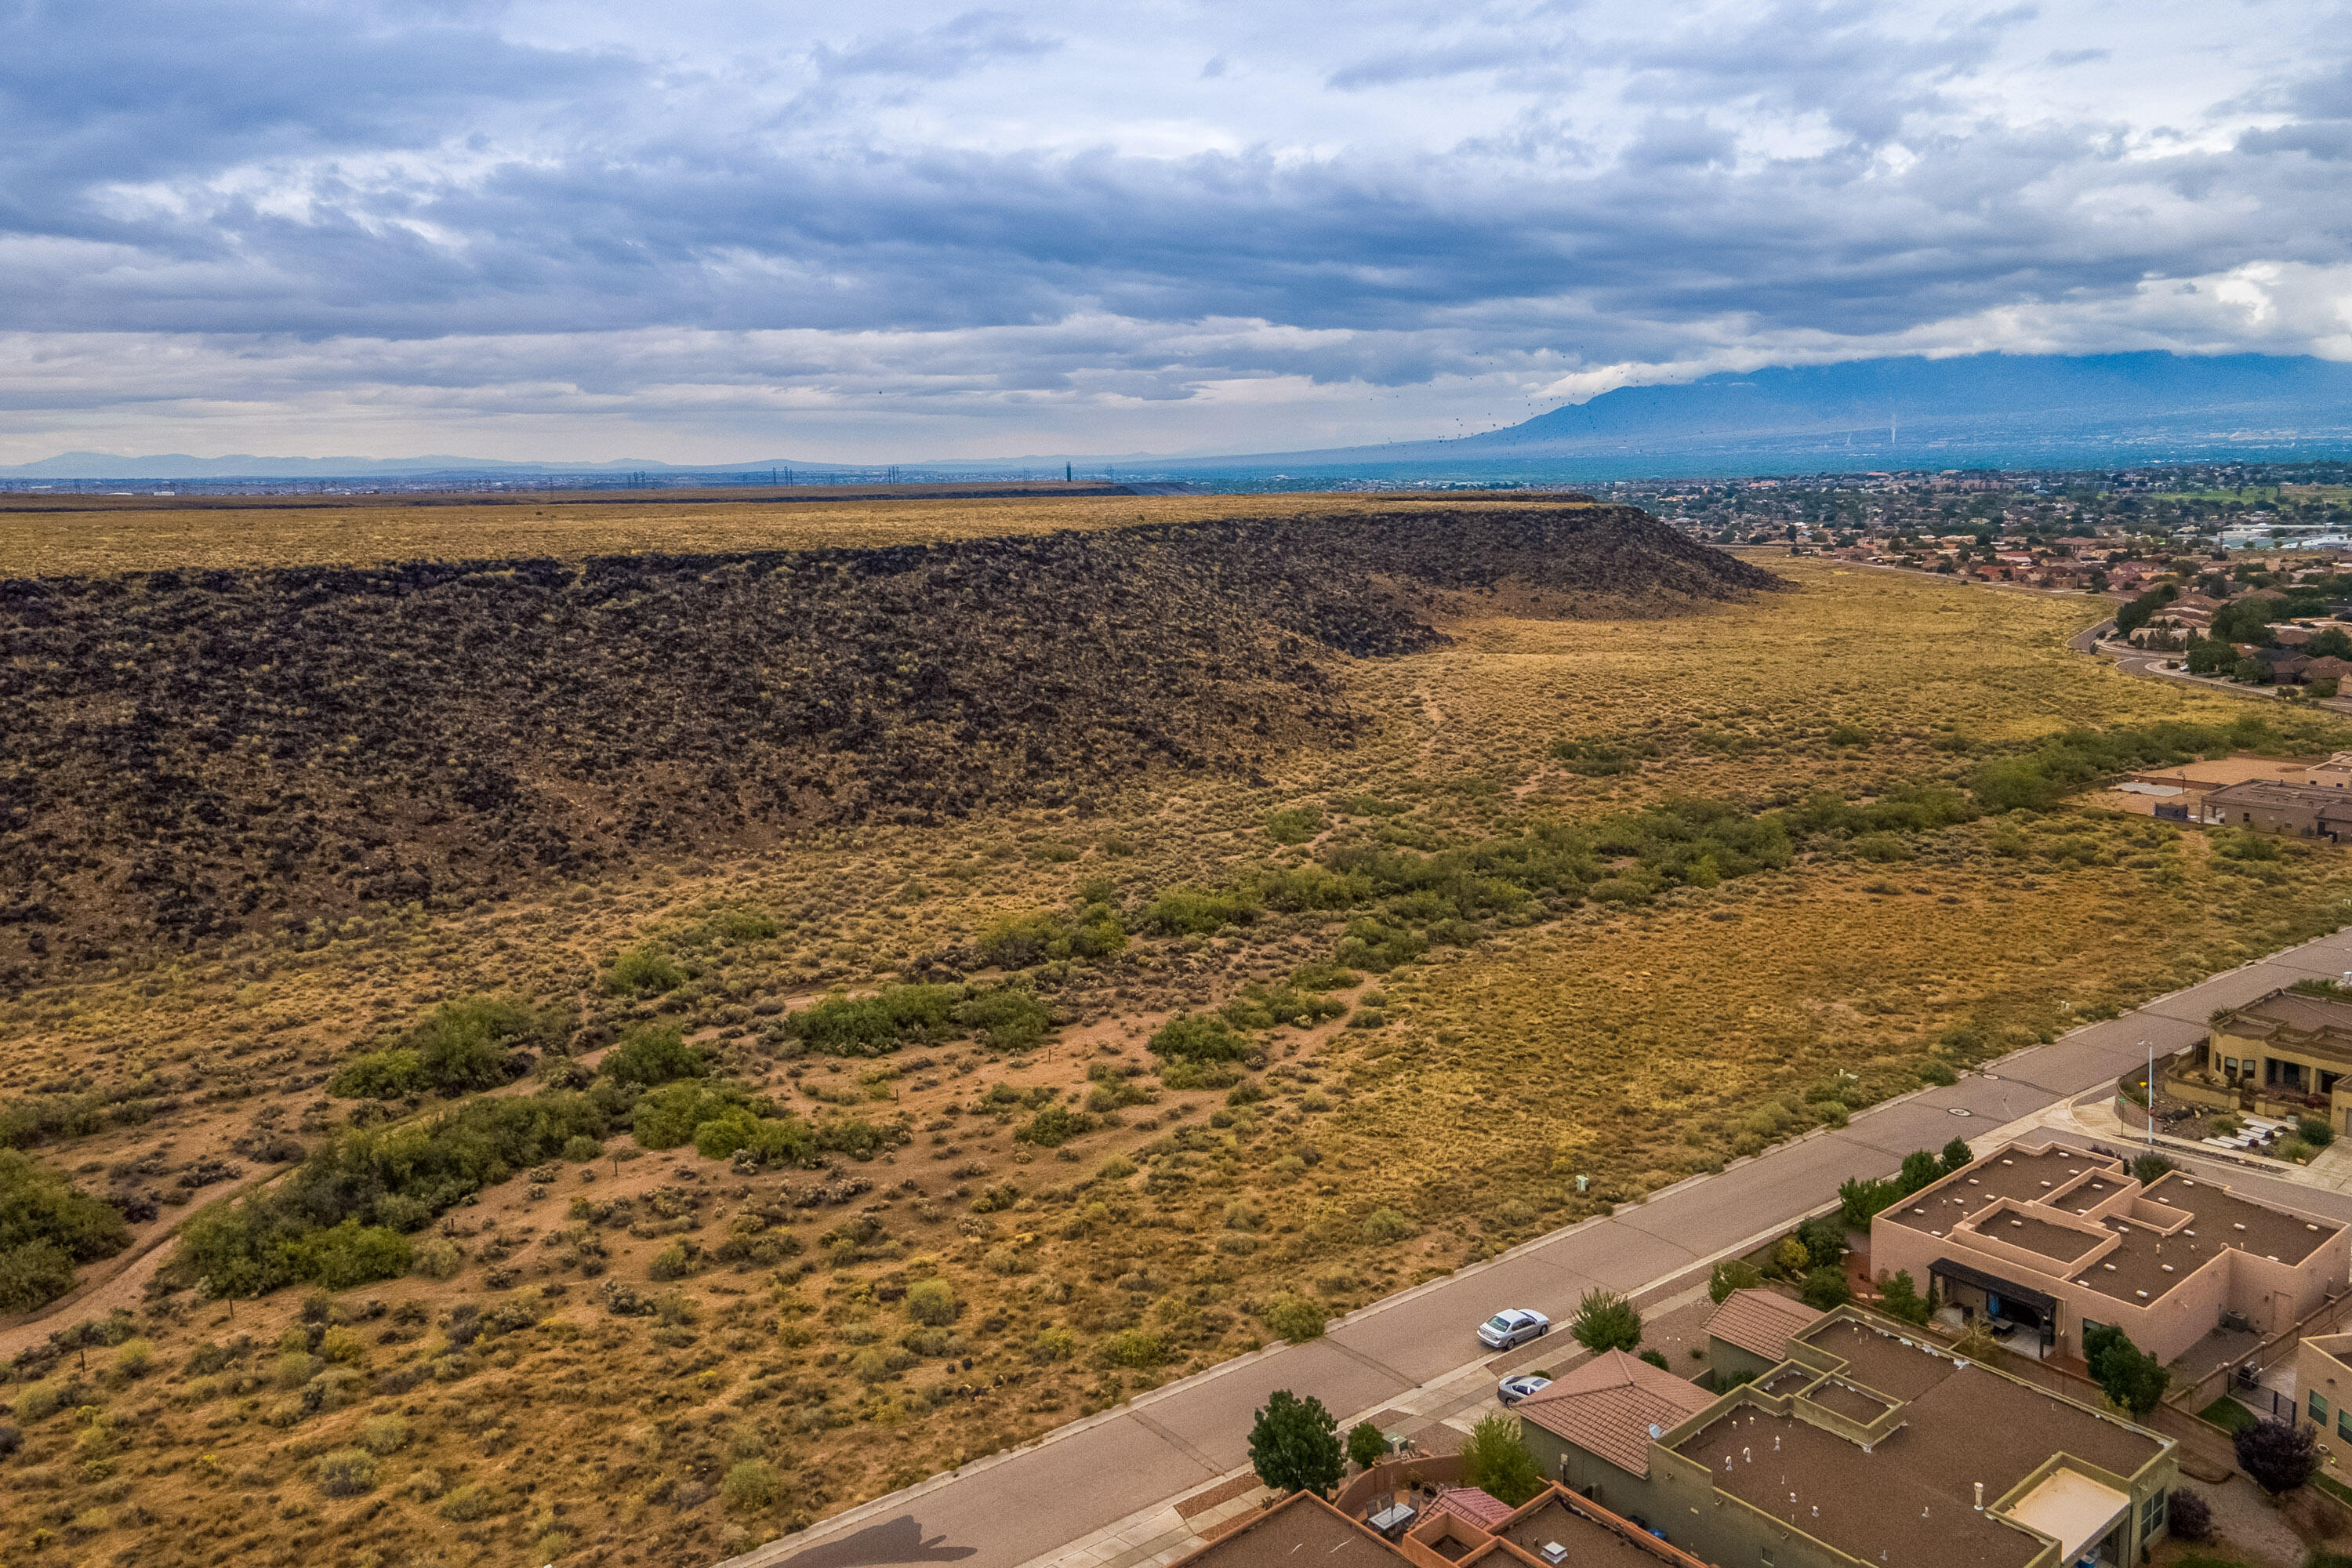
(567, 231)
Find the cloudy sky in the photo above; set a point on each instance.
(708, 231)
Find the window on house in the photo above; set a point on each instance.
(2318, 1408)
(2153, 1513)
(2344, 1422)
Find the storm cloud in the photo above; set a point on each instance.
(714, 229)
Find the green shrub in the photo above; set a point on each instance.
(1020, 942)
(459, 1048)
(1295, 1318)
(932, 1301)
(266, 1239)
(1184, 1074)
(134, 1358)
(1054, 1345)
(672, 1262)
(581, 1149)
(1295, 825)
(649, 1057)
(47, 1227)
(346, 1472)
(877, 1025)
(1384, 1225)
(34, 1275)
(1825, 1287)
(643, 972)
(35, 1402)
(666, 1117)
(1200, 1038)
(383, 1435)
(469, 1503)
(437, 1259)
(1005, 1017)
(2314, 1131)
(750, 1486)
(1054, 1125)
(1184, 911)
(1133, 1348)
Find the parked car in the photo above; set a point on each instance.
(1511, 1390)
(1515, 1326)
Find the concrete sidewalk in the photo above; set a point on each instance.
(1104, 1491)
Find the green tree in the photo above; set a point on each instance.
(1901, 1299)
(1858, 1200)
(2250, 671)
(1825, 1287)
(1957, 1154)
(1367, 1444)
(1497, 1461)
(1732, 1274)
(1293, 1445)
(1605, 1321)
(1919, 1169)
(2134, 1379)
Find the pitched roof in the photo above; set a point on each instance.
(1481, 1509)
(1608, 1405)
(1761, 1322)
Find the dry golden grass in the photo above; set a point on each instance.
(128, 538)
(1638, 1047)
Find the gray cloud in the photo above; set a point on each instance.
(995, 220)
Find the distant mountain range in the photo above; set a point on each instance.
(1982, 410)
(1976, 411)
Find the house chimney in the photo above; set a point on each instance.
(1979, 1497)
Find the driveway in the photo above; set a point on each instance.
(1082, 1481)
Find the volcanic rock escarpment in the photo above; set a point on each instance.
(189, 753)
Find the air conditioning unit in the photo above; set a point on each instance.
(1554, 1553)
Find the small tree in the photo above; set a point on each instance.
(1825, 1289)
(1919, 1168)
(1606, 1322)
(1367, 1444)
(1957, 1153)
(1859, 1200)
(1497, 1462)
(1902, 1298)
(1732, 1274)
(2277, 1454)
(1293, 1445)
(1824, 1239)
(2146, 1169)
(2134, 1379)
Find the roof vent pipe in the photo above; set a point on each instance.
(1979, 1497)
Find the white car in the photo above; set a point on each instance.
(1511, 1390)
(1513, 1327)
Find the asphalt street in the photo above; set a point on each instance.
(1001, 1511)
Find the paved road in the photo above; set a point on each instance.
(1002, 1511)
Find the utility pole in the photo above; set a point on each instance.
(2151, 1097)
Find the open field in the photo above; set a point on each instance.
(1664, 1004)
(49, 536)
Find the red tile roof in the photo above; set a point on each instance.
(1608, 1405)
(1481, 1509)
(1762, 1322)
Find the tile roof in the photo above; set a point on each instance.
(1761, 1322)
(1481, 1509)
(1608, 1405)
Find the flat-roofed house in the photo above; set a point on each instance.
(1871, 1446)
(2286, 1053)
(2047, 1241)
(2274, 806)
